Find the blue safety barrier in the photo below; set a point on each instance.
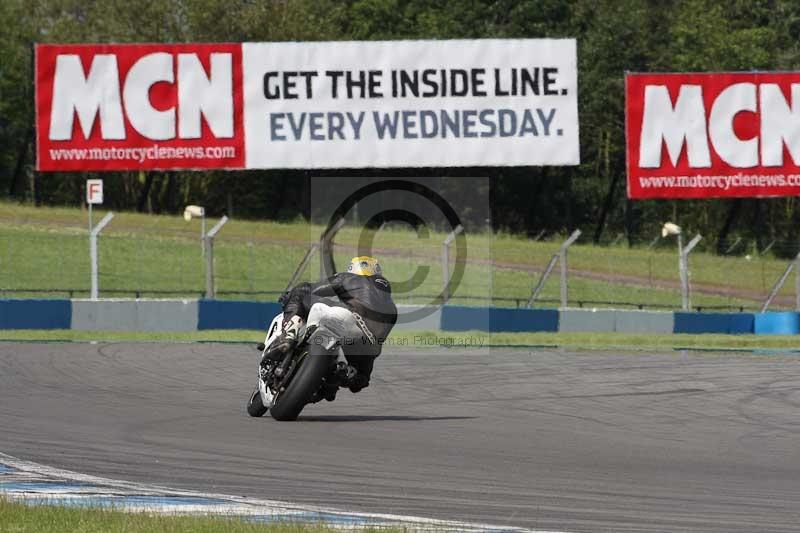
(728, 323)
(225, 314)
(523, 319)
(229, 314)
(459, 318)
(35, 314)
(777, 323)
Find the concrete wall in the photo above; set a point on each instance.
(191, 315)
(135, 315)
(575, 320)
(418, 318)
(611, 320)
(644, 321)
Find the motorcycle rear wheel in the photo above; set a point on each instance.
(306, 381)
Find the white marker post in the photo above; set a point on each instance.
(94, 195)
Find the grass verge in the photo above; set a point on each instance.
(422, 339)
(21, 517)
(47, 249)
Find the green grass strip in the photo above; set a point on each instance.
(24, 518)
(455, 339)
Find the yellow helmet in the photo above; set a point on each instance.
(364, 266)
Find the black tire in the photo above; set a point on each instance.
(255, 406)
(307, 380)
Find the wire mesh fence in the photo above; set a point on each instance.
(254, 263)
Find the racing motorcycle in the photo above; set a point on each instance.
(286, 384)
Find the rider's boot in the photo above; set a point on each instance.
(349, 377)
(359, 382)
(344, 373)
(289, 336)
(329, 392)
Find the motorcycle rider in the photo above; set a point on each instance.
(358, 320)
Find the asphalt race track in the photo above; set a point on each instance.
(545, 439)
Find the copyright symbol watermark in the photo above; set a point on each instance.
(420, 271)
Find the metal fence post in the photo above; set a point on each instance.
(302, 266)
(542, 279)
(683, 265)
(203, 234)
(793, 264)
(767, 249)
(446, 262)
(797, 283)
(93, 253)
(562, 259)
(682, 274)
(327, 265)
(733, 246)
(562, 254)
(209, 241)
(209, 247)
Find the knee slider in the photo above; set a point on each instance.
(322, 340)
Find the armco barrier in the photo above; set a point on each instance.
(458, 318)
(134, 315)
(777, 323)
(224, 314)
(728, 323)
(35, 314)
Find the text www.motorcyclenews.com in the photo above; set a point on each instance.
(723, 183)
(154, 152)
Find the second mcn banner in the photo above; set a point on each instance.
(492, 102)
(713, 135)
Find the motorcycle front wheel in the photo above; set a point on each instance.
(255, 406)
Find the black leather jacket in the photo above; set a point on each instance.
(369, 296)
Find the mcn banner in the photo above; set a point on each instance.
(713, 135)
(307, 105)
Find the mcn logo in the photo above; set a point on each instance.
(703, 135)
(685, 123)
(76, 93)
(159, 106)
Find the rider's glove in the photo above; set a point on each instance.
(284, 297)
